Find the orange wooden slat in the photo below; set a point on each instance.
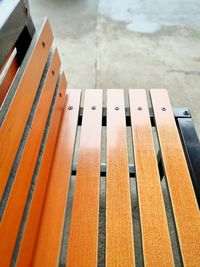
(184, 203)
(157, 249)
(83, 238)
(8, 73)
(119, 229)
(14, 123)
(17, 199)
(9, 57)
(47, 248)
(34, 214)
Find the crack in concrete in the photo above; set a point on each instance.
(185, 72)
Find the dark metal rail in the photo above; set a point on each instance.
(178, 113)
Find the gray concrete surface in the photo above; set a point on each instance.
(129, 44)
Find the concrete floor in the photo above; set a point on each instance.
(129, 44)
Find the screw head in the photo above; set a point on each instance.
(43, 44)
(53, 72)
(70, 107)
(93, 107)
(163, 109)
(139, 108)
(116, 108)
(186, 112)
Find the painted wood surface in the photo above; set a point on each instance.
(83, 237)
(48, 243)
(184, 203)
(14, 123)
(157, 249)
(119, 229)
(14, 209)
(35, 210)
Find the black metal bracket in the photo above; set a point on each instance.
(178, 113)
(191, 145)
(132, 172)
(16, 28)
(103, 170)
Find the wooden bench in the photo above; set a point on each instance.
(39, 121)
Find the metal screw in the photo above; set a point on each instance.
(163, 109)
(70, 107)
(43, 44)
(186, 112)
(139, 108)
(116, 108)
(93, 107)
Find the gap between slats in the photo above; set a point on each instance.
(66, 215)
(155, 234)
(24, 138)
(22, 100)
(47, 248)
(33, 209)
(83, 238)
(184, 203)
(16, 202)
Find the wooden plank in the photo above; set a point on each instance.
(7, 74)
(119, 229)
(17, 199)
(155, 234)
(8, 60)
(35, 210)
(47, 248)
(83, 239)
(12, 129)
(184, 203)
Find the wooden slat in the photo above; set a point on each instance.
(9, 58)
(16, 202)
(155, 235)
(47, 248)
(185, 207)
(83, 239)
(12, 129)
(7, 74)
(32, 223)
(119, 229)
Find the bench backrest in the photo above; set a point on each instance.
(32, 97)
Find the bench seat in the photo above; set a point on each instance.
(47, 141)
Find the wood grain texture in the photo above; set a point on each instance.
(83, 238)
(185, 207)
(12, 129)
(11, 219)
(47, 247)
(35, 210)
(119, 229)
(155, 234)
